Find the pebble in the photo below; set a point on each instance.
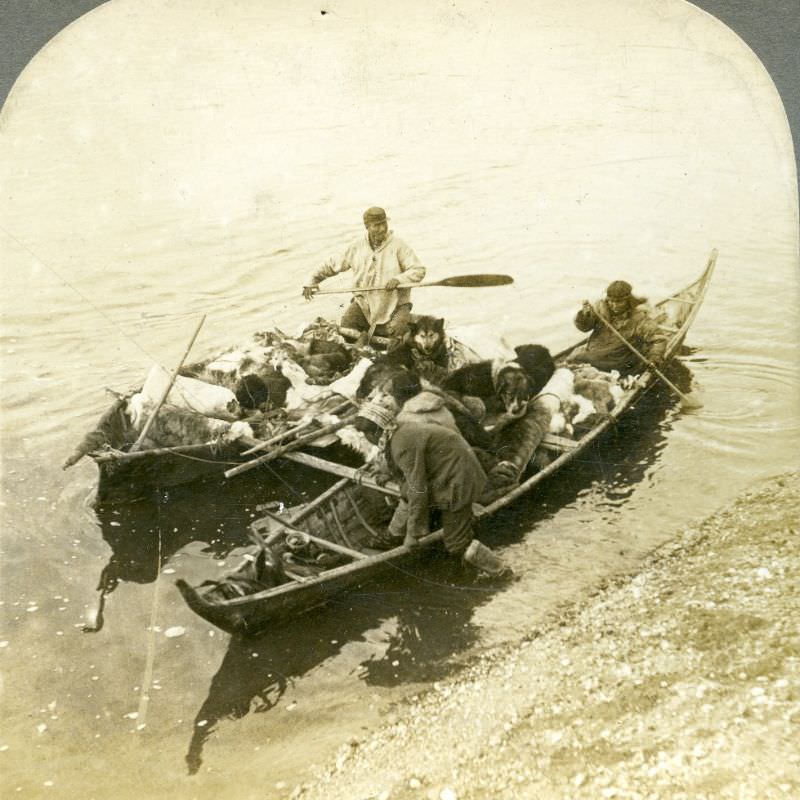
(173, 632)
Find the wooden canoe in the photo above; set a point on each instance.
(345, 527)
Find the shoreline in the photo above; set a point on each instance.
(682, 680)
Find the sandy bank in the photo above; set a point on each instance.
(683, 681)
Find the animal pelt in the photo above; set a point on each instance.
(423, 349)
(556, 396)
(500, 385)
(176, 426)
(325, 360)
(356, 439)
(598, 392)
(257, 573)
(265, 389)
(377, 377)
(600, 388)
(590, 373)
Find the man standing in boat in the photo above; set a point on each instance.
(632, 321)
(377, 259)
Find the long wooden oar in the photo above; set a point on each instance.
(138, 443)
(457, 281)
(687, 401)
(287, 448)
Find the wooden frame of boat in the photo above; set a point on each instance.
(338, 521)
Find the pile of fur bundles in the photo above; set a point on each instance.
(178, 426)
(279, 371)
(579, 395)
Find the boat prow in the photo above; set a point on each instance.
(220, 616)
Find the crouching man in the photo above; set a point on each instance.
(440, 471)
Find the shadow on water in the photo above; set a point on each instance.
(426, 607)
(431, 603)
(145, 533)
(430, 607)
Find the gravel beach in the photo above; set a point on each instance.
(682, 681)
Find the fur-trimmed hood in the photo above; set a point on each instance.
(426, 407)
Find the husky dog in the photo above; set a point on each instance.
(512, 383)
(423, 349)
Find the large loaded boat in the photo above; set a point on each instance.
(303, 556)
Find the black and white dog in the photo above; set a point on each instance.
(505, 385)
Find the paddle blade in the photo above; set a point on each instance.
(474, 281)
(689, 403)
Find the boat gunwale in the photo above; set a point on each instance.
(697, 288)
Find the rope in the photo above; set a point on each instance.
(339, 525)
(548, 394)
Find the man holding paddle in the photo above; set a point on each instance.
(381, 262)
(622, 331)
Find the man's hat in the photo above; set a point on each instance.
(619, 290)
(622, 290)
(374, 214)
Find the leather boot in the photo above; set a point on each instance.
(484, 560)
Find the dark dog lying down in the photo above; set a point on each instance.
(505, 386)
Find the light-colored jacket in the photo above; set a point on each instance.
(393, 259)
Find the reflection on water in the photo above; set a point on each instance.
(427, 613)
(424, 611)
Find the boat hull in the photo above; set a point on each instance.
(345, 514)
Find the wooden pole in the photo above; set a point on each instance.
(138, 443)
(687, 401)
(331, 467)
(291, 431)
(287, 448)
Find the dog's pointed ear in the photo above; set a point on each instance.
(517, 349)
(439, 324)
(413, 327)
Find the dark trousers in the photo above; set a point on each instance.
(457, 530)
(396, 326)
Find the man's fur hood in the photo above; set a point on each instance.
(426, 407)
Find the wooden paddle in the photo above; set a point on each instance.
(457, 281)
(686, 401)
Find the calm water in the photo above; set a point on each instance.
(150, 176)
